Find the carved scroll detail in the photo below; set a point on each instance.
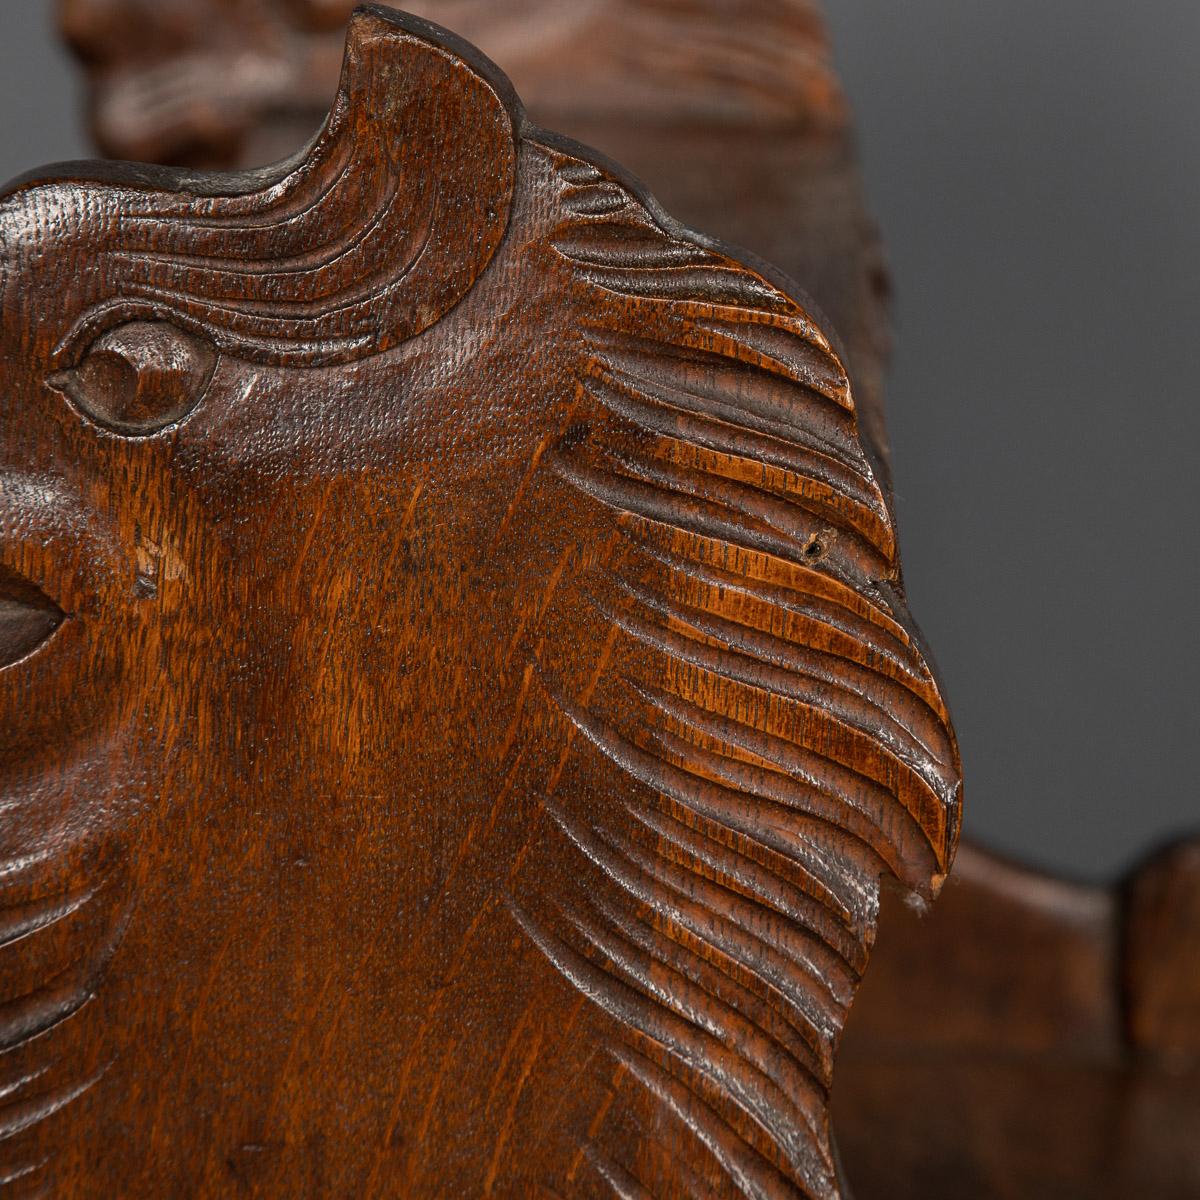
(369, 237)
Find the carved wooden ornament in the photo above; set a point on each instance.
(458, 697)
(729, 109)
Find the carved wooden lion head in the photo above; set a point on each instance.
(458, 695)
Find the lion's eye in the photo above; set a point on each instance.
(140, 377)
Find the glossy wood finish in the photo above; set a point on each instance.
(1029, 1037)
(475, 702)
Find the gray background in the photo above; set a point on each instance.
(1036, 170)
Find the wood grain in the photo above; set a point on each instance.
(992, 1052)
(483, 703)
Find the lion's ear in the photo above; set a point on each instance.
(369, 236)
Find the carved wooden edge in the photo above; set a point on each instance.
(719, 485)
(739, 124)
(611, 262)
(1160, 959)
(1082, 968)
(1028, 1027)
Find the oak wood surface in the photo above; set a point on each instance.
(461, 700)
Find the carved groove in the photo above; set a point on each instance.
(762, 666)
(344, 252)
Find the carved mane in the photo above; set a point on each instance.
(774, 737)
